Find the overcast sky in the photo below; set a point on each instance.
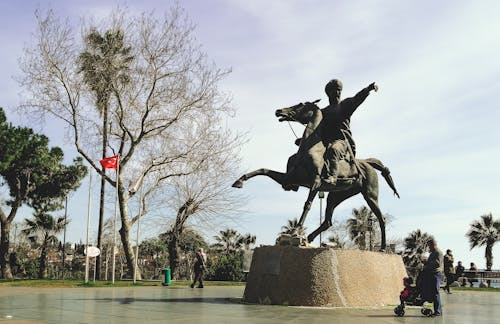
(434, 121)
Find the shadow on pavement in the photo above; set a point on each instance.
(392, 316)
(128, 300)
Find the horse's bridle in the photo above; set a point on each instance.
(298, 121)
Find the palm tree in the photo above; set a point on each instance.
(485, 232)
(415, 245)
(293, 228)
(336, 241)
(357, 226)
(42, 229)
(105, 65)
(228, 241)
(246, 240)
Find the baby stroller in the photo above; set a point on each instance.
(412, 296)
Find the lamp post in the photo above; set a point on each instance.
(64, 237)
(89, 204)
(321, 195)
(370, 230)
(137, 234)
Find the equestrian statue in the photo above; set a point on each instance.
(326, 158)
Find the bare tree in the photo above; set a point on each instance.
(158, 117)
(203, 196)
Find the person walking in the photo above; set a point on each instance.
(433, 275)
(449, 270)
(199, 267)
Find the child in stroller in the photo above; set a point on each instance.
(411, 296)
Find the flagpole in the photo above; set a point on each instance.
(95, 267)
(114, 221)
(88, 226)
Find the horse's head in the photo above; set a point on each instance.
(302, 113)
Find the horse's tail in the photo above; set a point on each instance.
(386, 173)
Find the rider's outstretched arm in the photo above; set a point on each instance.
(349, 105)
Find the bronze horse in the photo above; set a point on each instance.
(305, 167)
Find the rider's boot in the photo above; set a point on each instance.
(331, 172)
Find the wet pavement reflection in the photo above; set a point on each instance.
(212, 305)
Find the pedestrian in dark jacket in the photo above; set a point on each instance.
(433, 275)
(199, 267)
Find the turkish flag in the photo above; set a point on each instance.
(110, 162)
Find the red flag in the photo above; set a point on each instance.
(110, 162)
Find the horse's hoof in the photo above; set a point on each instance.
(238, 184)
(289, 187)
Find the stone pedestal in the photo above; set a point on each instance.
(323, 277)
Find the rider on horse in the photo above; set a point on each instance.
(306, 168)
(337, 134)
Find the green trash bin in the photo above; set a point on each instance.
(166, 280)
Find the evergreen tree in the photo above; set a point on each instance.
(34, 175)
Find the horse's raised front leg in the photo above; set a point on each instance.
(332, 201)
(279, 177)
(312, 194)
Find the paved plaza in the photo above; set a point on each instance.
(211, 305)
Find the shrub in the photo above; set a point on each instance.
(226, 268)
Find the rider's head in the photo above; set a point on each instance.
(333, 90)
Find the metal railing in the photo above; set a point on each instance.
(492, 275)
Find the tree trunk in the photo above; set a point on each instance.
(103, 184)
(489, 256)
(42, 270)
(125, 231)
(173, 246)
(173, 254)
(489, 260)
(5, 272)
